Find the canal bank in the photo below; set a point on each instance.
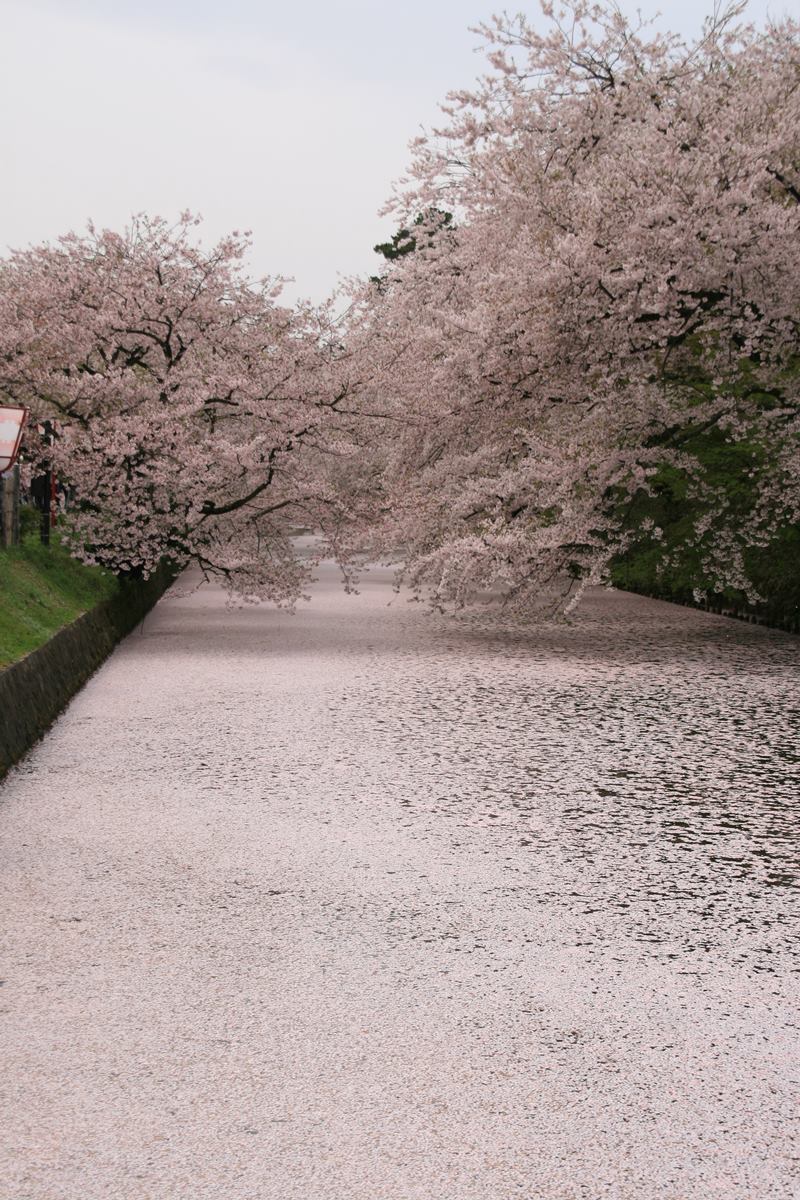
(37, 687)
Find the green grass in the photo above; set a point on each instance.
(42, 589)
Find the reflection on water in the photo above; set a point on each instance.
(643, 776)
(444, 908)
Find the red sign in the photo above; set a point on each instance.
(12, 422)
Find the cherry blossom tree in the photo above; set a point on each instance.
(194, 413)
(622, 276)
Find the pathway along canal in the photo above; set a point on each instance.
(361, 903)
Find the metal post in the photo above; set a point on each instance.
(44, 524)
(15, 507)
(53, 499)
(46, 483)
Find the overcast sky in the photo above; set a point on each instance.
(291, 120)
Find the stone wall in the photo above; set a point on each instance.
(34, 690)
(772, 616)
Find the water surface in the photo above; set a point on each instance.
(364, 903)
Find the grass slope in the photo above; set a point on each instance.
(42, 589)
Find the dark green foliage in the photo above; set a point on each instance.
(405, 241)
(30, 520)
(671, 567)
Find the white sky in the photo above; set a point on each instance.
(289, 120)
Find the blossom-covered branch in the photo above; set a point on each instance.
(623, 268)
(192, 409)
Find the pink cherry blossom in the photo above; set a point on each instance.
(624, 266)
(192, 410)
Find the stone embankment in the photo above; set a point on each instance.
(34, 690)
(774, 616)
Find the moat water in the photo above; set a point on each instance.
(364, 902)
